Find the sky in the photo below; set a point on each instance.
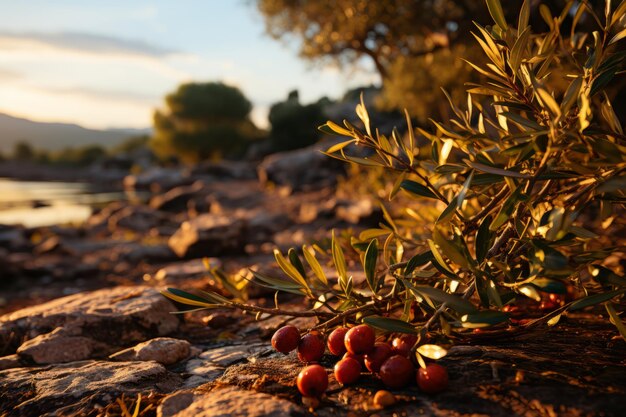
(108, 64)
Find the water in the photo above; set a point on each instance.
(39, 203)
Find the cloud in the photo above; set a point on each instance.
(103, 94)
(88, 42)
(8, 75)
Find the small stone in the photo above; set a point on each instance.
(384, 399)
(58, 347)
(164, 350)
(310, 402)
(8, 362)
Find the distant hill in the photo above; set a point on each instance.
(55, 136)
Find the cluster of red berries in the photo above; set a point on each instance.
(358, 349)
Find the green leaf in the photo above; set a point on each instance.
(453, 301)
(550, 285)
(530, 291)
(524, 16)
(545, 13)
(495, 170)
(290, 270)
(522, 121)
(438, 258)
(606, 277)
(483, 319)
(339, 146)
(340, 262)
(448, 211)
(418, 260)
(294, 259)
(618, 36)
(277, 284)
(309, 255)
(507, 210)
(432, 351)
(371, 257)
(338, 129)
(449, 249)
(484, 238)
(389, 324)
(449, 169)
(417, 188)
(518, 49)
(615, 319)
(186, 298)
(223, 279)
(548, 101)
(493, 294)
(571, 94)
(594, 299)
(496, 12)
(370, 234)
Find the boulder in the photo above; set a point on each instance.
(224, 170)
(137, 218)
(361, 212)
(76, 388)
(177, 199)
(209, 235)
(156, 179)
(301, 169)
(165, 350)
(99, 322)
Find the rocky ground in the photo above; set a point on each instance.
(86, 332)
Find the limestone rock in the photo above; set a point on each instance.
(10, 361)
(227, 401)
(74, 388)
(57, 347)
(208, 234)
(165, 350)
(176, 199)
(301, 169)
(111, 318)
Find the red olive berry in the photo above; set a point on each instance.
(402, 344)
(286, 339)
(360, 339)
(359, 358)
(397, 371)
(378, 355)
(548, 305)
(347, 371)
(311, 348)
(335, 342)
(312, 381)
(432, 379)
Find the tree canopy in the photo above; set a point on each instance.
(415, 45)
(203, 121)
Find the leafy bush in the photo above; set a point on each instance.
(292, 123)
(203, 121)
(520, 195)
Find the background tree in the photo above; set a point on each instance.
(293, 124)
(415, 45)
(23, 151)
(203, 121)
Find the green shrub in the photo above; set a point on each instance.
(520, 195)
(292, 123)
(203, 121)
